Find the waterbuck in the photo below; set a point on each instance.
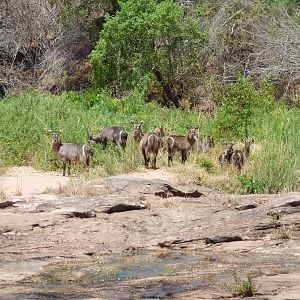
(70, 153)
(206, 144)
(150, 144)
(160, 132)
(225, 157)
(115, 134)
(137, 131)
(239, 157)
(183, 144)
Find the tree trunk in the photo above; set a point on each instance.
(171, 97)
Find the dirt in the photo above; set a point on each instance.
(25, 181)
(140, 236)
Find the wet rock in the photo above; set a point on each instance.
(246, 206)
(81, 214)
(157, 187)
(292, 203)
(223, 239)
(122, 207)
(170, 244)
(287, 201)
(169, 191)
(265, 226)
(6, 204)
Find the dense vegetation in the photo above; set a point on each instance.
(230, 67)
(272, 167)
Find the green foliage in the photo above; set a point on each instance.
(244, 287)
(251, 185)
(24, 119)
(144, 35)
(206, 164)
(241, 103)
(273, 165)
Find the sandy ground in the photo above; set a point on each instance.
(25, 181)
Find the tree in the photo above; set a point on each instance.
(276, 54)
(241, 103)
(146, 43)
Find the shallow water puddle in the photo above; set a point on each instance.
(147, 275)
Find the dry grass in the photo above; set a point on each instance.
(3, 195)
(78, 187)
(204, 169)
(284, 232)
(2, 171)
(169, 204)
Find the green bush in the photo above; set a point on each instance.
(241, 103)
(147, 35)
(252, 186)
(244, 287)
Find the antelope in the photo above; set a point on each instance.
(137, 131)
(225, 157)
(206, 144)
(115, 134)
(160, 132)
(239, 157)
(70, 153)
(150, 144)
(183, 144)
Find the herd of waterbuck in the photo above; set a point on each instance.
(150, 143)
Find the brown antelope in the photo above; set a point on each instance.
(115, 134)
(206, 144)
(160, 132)
(70, 153)
(137, 131)
(239, 157)
(183, 144)
(225, 157)
(150, 144)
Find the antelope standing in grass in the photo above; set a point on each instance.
(115, 134)
(137, 131)
(225, 157)
(206, 144)
(183, 144)
(150, 144)
(70, 153)
(239, 157)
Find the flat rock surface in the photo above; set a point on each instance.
(140, 236)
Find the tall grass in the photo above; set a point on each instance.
(273, 165)
(24, 119)
(276, 157)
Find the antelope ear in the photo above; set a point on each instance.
(48, 130)
(187, 127)
(197, 127)
(142, 122)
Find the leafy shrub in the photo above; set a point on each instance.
(241, 103)
(244, 287)
(251, 185)
(206, 164)
(144, 36)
